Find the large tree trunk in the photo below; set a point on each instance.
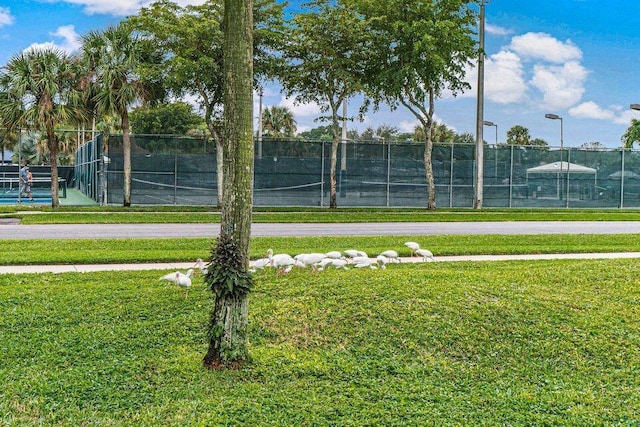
(228, 346)
(335, 128)
(53, 155)
(126, 157)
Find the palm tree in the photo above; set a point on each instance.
(38, 92)
(278, 122)
(113, 55)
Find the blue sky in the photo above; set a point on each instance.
(575, 58)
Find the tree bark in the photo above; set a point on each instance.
(53, 155)
(228, 346)
(126, 157)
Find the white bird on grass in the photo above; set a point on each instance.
(259, 264)
(334, 255)
(200, 265)
(382, 261)
(425, 254)
(312, 259)
(364, 262)
(353, 253)
(281, 262)
(391, 255)
(180, 279)
(413, 246)
(332, 262)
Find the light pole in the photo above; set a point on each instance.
(495, 148)
(556, 117)
(486, 123)
(479, 178)
(635, 107)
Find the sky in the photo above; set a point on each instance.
(574, 58)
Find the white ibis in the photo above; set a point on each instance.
(391, 255)
(180, 279)
(413, 246)
(334, 255)
(259, 264)
(332, 262)
(364, 262)
(281, 262)
(382, 261)
(312, 259)
(353, 253)
(425, 254)
(200, 265)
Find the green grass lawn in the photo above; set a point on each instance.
(482, 344)
(89, 251)
(191, 214)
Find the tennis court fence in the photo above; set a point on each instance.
(180, 170)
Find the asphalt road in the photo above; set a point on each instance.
(97, 231)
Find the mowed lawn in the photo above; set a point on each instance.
(492, 343)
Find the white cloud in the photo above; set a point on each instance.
(504, 78)
(70, 40)
(408, 125)
(298, 109)
(120, 7)
(562, 86)
(615, 114)
(591, 110)
(5, 17)
(545, 47)
(496, 30)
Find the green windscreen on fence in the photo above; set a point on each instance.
(180, 170)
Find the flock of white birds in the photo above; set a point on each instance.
(284, 263)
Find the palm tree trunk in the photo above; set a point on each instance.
(53, 154)
(228, 346)
(126, 157)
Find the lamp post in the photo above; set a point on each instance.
(486, 123)
(635, 107)
(479, 178)
(556, 117)
(495, 148)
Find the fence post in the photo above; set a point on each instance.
(568, 171)
(388, 171)
(451, 177)
(622, 179)
(322, 176)
(175, 171)
(511, 178)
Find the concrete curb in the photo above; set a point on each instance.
(87, 268)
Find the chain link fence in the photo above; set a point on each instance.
(178, 170)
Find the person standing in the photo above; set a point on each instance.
(25, 181)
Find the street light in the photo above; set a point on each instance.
(635, 107)
(486, 123)
(556, 117)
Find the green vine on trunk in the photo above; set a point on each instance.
(226, 273)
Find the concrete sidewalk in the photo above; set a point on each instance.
(87, 268)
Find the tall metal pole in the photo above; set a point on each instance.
(479, 184)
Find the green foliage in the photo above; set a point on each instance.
(278, 122)
(483, 344)
(177, 118)
(320, 133)
(227, 272)
(632, 134)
